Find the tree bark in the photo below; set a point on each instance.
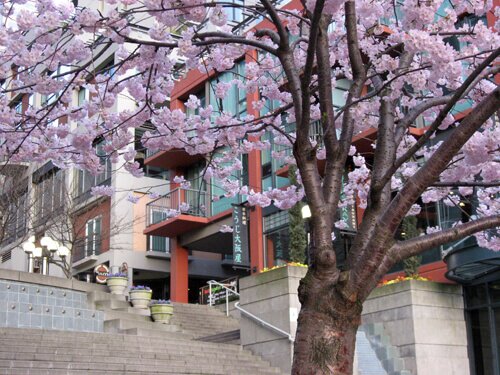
(327, 326)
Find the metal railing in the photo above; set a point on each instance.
(247, 313)
(150, 152)
(186, 201)
(86, 247)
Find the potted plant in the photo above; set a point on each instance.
(161, 311)
(117, 282)
(140, 296)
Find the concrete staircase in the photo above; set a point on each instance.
(388, 354)
(202, 320)
(35, 351)
(189, 321)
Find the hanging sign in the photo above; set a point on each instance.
(241, 255)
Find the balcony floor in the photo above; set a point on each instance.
(172, 159)
(176, 226)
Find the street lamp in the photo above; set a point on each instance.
(47, 249)
(306, 215)
(306, 212)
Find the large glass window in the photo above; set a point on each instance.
(235, 100)
(483, 320)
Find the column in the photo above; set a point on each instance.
(255, 181)
(178, 273)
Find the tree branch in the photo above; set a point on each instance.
(441, 116)
(417, 245)
(466, 183)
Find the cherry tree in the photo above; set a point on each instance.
(404, 62)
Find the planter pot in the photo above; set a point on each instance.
(117, 285)
(162, 313)
(140, 298)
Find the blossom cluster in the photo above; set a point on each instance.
(49, 50)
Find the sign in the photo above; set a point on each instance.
(101, 273)
(241, 256)
(217, 294)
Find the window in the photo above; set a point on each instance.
(483, 323)
(49, 99)
(160, 244)
(86, 180)
(235, 100)
(149, 171)
(49, 195)
(83, 96)
(235, 12)
(92, 242)
(13, 219)
(108, 69)
(18, 107)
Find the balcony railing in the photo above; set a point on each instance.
(150, 152)
(186, 201)
(86, 247)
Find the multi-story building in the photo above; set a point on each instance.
(177, 255)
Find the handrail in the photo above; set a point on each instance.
(246, 312)
(263, 322)
(210, 283)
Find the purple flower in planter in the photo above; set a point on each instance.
(118, 274)
(141, 287)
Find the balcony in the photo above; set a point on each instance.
(194, 206)
(86, 250)
(171, 159)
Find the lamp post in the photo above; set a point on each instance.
(29, 248)
(306, 215)
(46, 251)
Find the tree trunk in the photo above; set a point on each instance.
(327, 326)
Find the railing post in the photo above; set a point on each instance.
(227, 303)
(210, 294)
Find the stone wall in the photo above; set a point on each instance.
(411, 328)
(35, 301)
(425, 321)
(272, 296)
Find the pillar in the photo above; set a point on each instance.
(178, 259)
(255, 181)
(178, 273)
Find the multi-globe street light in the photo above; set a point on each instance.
(47, 251)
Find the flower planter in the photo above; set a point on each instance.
(117, 285)
(140, 298)
(162, 313)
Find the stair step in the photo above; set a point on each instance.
(116, 325)
(156, 333)
(116, 314)
(96, 296)
(111, 304)
(134, 310)
(222, 337)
